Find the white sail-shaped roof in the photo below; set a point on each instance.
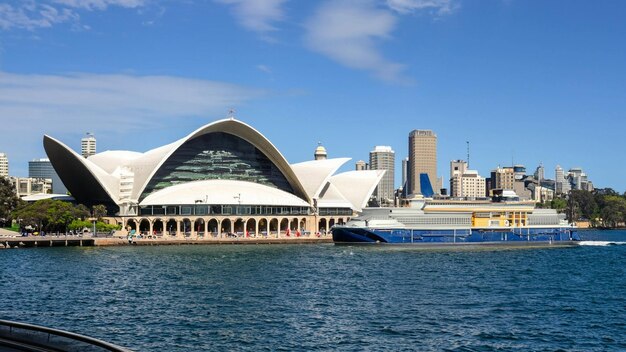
(315, 174)
(112, 159)
(331, 197)
(357, 186)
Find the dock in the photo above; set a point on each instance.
(75, 241)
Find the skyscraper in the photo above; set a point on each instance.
(457, 169)
(422, 160)
(360, 165)
(88, 145)
(383, 158)
(561, 184)
(42, 168)
(4, 165)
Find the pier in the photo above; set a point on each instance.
(73, 241)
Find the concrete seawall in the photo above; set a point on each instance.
(73, 241)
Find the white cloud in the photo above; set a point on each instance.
(30, 16)
(107, 102)
(441, 7)
(264, 68)
(100, 4)
(257, 15)
(349, 31)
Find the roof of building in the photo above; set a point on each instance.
(223, 192)
(122, 177)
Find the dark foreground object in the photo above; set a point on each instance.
(16, 336)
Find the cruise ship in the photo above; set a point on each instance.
(452, 222)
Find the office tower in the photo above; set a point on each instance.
(562, 185)
(422, 162)
(42, 169)
(88, 145)
(361, 165)
(457, 169)
(503, 178)
(4, 165)
(472, 185)
(383, 158)
(320, 152)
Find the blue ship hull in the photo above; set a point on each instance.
(557, 235)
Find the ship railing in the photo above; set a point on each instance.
(27, 337)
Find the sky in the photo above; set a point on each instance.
(525, 82)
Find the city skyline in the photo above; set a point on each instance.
(525, 83)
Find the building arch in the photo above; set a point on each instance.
(157, 227)
(185, 227)
(131, 224)
(263, 227)
(171, 227)
(227, 226)
(213, 227)
(144, 226)
(274, 226)
(321, 225)
(239, 226)
(284, 225)
(251, 227)
(198, 226)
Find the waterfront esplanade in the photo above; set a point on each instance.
(223, 179)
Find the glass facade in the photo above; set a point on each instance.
(217, 156)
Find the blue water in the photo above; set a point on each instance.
(325, 297)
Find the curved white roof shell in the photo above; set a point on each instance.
(315, 174)
(331, 197)
(230, 126)
(357, 186)
(112, 159)
(120, 177)
(223, 192)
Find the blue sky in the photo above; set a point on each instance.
(524, 81)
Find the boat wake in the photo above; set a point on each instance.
(600, 243)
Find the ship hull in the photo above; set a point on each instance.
(462, 237)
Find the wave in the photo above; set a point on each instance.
(600, 243)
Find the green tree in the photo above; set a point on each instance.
(613, 214)
(99, 211)
(8, 201)
(559, 204)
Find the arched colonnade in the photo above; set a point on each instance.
(222, 227)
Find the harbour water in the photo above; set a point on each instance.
(325, 297)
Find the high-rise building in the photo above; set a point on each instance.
(383, 158)
(42, 169)
(4, 165)
(457, 169)
(503, 178)
(562, 185)
(361, 165)
(422, 161)
(320, 152)
(88, 145)
(472, 185)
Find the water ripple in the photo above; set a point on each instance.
(324, 297)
